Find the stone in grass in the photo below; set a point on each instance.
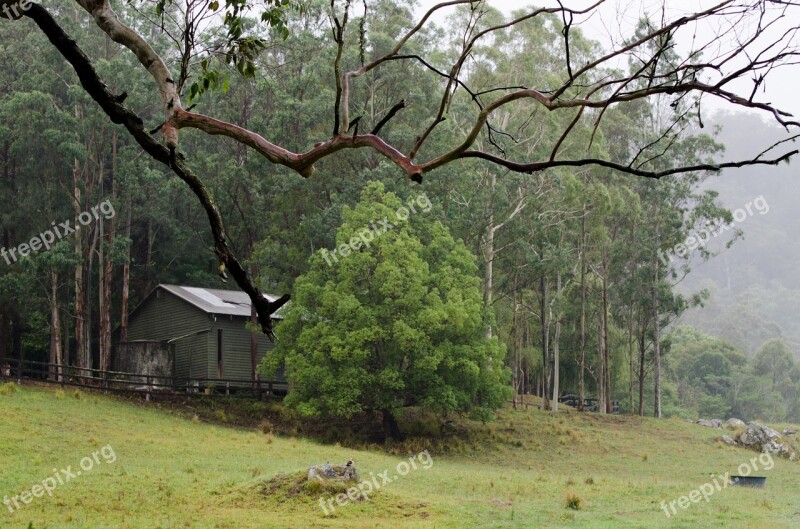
(328, 472)
(710, 423)
(766, 440)
(734, 424)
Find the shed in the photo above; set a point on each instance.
(205, 331)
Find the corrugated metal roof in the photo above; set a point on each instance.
(214, 301)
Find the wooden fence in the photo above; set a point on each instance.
(138, 383)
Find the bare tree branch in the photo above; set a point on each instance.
(133, 123)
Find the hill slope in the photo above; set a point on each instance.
(169, 472)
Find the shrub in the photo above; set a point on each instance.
(573, 501)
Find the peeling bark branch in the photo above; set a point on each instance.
(119, 114)
(303, 163)
(679, 80)
(107, 20)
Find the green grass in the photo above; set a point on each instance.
(529, 469)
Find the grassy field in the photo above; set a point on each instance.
(517, 472)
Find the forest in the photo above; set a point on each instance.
(563, 267)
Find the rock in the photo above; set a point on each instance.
(787, 431)
(346, 472)
(710, 423)
(764, 439)
(734, 423)
(728, 440)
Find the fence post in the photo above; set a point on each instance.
(227, 389)
(147, 394)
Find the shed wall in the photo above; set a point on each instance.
(165, 317)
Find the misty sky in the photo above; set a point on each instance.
(615, 19)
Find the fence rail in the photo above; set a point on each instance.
(138, 383)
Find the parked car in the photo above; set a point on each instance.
(590, 404)
(569, 399)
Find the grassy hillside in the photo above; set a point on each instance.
(171, 472)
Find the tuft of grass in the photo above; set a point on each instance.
(589, 481)
(573, 501)
(9, 388)
(266, 427)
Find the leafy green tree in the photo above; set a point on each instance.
(396, 322)
(774, 360)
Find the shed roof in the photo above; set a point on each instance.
(214, 301)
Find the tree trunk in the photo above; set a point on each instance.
(108, 233)
(488, 283)
(545, 342)
(83, 360)
(105, 314)
(515, 340)
(102, 308)
(582, 322)
(606, 354)
(601, 376)
(89, 293)
(391, 429)
(148, 260)
(630, 360)
(126, 282)
(556, 339)
(642, 345)
(4, 334)
(656, 348)
(55, 330)
(16, 342)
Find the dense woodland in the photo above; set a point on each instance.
(567, 260)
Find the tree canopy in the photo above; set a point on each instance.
(396, 320)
